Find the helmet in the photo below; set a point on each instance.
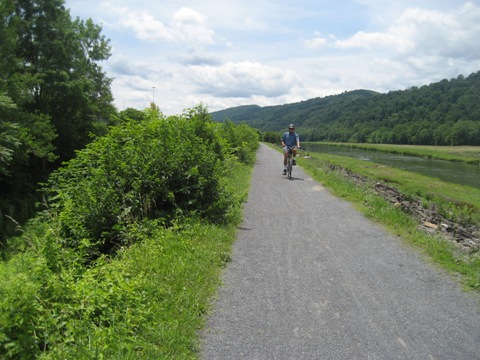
(291, 126)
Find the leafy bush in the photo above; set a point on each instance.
(157, 169)
(145, 303)
(271, 137)
(34, 301)
(144, 189)
(242, 139)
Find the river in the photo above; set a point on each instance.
(450, 171)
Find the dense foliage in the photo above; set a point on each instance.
(162, 168)
(53, 94)
(69, 288)
(443, 113)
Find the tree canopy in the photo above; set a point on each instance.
(53, 94)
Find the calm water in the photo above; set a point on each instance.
(451, 171)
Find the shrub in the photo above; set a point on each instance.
(242, 139)
(156, 169)
(61, 298)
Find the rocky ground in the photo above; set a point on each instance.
(429, 218)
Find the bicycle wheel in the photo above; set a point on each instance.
(289, 168)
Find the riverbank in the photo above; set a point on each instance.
(439, 218)
(468, 154)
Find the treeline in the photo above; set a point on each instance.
(443, 113)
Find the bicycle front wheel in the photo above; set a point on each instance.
(289, 168)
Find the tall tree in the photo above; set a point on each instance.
(50, 71)
(57, 71)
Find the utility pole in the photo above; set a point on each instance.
(153, 92)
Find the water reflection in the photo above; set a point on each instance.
(451, 171)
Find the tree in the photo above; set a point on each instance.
(53, 92)
(56, 71)
(465, 132)
(9, 135)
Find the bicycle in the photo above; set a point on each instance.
(290, 162)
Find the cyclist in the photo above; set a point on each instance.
(290, 139)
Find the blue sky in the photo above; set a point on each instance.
(269, 52)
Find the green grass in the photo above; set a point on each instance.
(459, 198)
(175, 274)
(469, 154)
(455, 198)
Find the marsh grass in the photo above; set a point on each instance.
(469, 154)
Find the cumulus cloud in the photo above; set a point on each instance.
(186, 25)
(453, 35)
(124, 67)
(421, 32)
(238, 52)
(244, 80)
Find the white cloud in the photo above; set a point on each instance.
(243, 80)
(192, 26)
(369, 41)
(420, 32)
(186, 25)
(452, 35)
(197, 57)
(239, 52)
(145, 26)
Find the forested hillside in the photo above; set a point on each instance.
(443, 113)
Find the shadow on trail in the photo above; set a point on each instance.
(293, 178)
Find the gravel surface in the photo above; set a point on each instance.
(312, 278)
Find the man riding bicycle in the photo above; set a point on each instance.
(290, 140)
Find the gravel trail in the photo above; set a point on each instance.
(312, 278)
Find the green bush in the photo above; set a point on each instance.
(34, 306)
(165, 194)
(157, 169)
(242, 139)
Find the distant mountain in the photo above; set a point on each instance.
(442, 113)
(277, 118)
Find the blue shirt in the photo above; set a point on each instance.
(290, 139)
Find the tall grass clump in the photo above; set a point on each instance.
(124, 257)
